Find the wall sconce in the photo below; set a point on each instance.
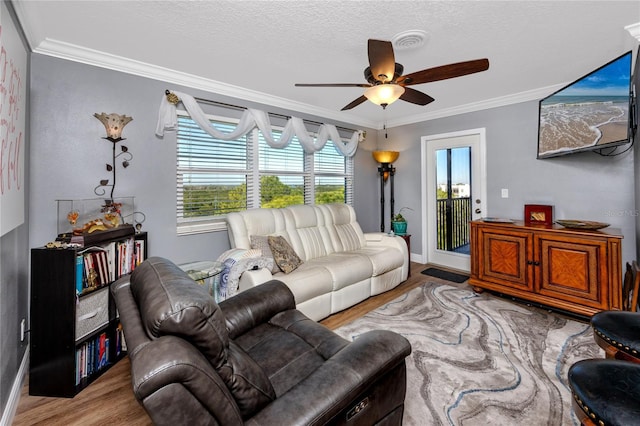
(386, 170)
(114, 124)
(384, 94)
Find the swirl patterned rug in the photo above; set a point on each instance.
(479, 359)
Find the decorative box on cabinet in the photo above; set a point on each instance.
(69, 325)
(577, 271)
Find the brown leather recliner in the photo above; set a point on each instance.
(253, 359)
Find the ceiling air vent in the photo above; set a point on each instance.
(412, 39)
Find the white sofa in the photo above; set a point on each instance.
(341, 265)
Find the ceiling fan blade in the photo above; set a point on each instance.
(333, 85)
(355, 103)
(444, 72)
(381, 60)
(416, 97)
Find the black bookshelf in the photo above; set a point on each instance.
(67, 326)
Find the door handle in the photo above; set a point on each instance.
(478, 211)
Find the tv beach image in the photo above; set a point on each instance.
(591, 112)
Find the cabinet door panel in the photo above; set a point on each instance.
(573, 269)
(504, 258)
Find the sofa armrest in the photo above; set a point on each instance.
(255, 306)
(330, 389)
(169, 373)
(384, 239)
(253, 278)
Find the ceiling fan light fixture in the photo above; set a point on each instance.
(384, 94)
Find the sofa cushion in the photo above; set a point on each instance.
(290, 347)
(171, 303)
(383, 259)
(346, 268)
(283, 254)
(307, 281)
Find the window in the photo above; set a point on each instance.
(215, 177)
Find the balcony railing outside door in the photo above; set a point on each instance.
(453, 217)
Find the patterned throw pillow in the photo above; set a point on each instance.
(283, 254)
(261, 242)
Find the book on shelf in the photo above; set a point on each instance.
(92, 356)
(97, 266)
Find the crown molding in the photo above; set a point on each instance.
(97, 58)
(530, 95)
(634, 30)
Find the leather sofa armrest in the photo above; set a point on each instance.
(159, 365)
(129, 313)
(345, 376)
(255, 306)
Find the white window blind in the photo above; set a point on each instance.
(215, 177)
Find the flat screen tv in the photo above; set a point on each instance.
(592, 113)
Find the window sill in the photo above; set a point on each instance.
(200, 228)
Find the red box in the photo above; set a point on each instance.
(538, 214)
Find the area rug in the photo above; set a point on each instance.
(479, 359)
(445, 275)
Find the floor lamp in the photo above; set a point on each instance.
(386, 169)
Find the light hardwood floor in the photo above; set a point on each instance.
(110, 401)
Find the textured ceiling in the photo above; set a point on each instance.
(257, 50)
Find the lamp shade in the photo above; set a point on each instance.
(113, 123)
(385, 157)
(384, 94)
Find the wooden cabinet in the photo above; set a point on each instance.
(578, 271)
(75, 332)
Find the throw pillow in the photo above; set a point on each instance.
(261, 242)
(283, 254)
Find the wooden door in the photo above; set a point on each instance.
(505, 258)
(573, 269)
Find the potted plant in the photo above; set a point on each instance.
(399, 223)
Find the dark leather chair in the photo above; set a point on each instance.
(618, 332)
(606, 392)
(253, 359)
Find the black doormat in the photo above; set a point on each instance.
(445, 275)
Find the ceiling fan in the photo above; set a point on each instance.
(386, 84)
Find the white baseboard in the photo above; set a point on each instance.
(14, 397)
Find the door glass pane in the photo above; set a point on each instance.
(453, 199)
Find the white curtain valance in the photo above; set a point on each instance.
(252, 118)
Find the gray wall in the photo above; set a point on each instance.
(67, 157)
(582, 186)
(68, 154)
(14, 282)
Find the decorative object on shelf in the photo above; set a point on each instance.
(114, 124)
(386, 169)
(497, 220)
(399, 223)
(87, 216)
(138, 219)
(581, 224)
(538, 214)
